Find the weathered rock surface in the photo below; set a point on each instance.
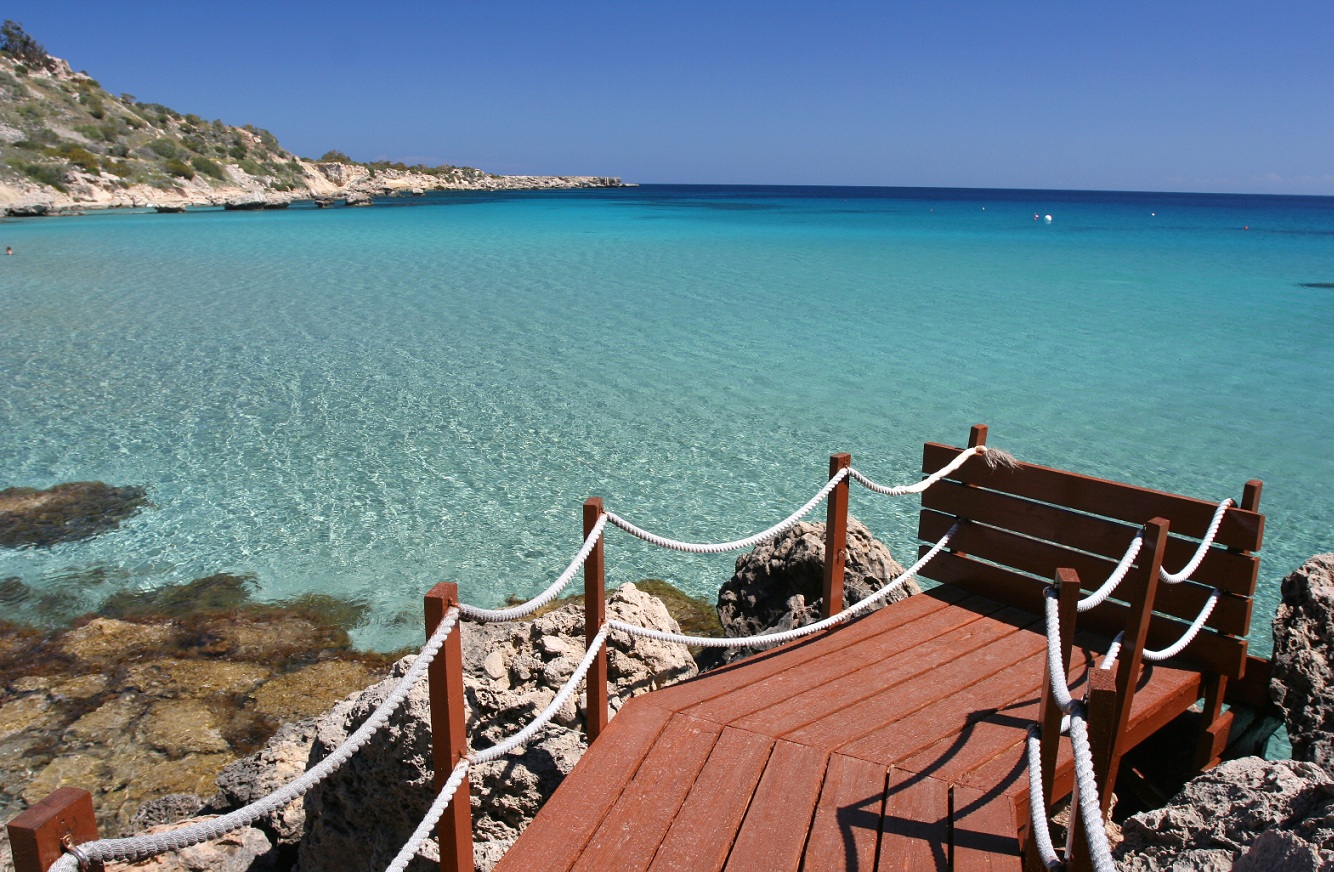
(64, 513)
(1302, 681)
(1254, 813)
(779, 585)
(245, 850)
(362, 814)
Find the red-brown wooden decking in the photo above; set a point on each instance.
(895, 742)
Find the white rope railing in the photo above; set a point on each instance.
(797, 632)
(1055, 668)
(995, 457)
(1187, 637)
(721, 547)
(423, 831)
(1113, 650)
(524, 609)
(1037, 803)
(1200, 552)
(144, 846)
(1096, 598)
(1090, 806)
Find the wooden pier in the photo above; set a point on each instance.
(898, 741)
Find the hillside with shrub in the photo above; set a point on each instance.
(66, 142)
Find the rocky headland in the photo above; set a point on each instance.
(67, 144)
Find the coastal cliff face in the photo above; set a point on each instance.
(67, 144)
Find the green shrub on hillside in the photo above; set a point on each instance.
(80, 157)
(164, 147)
(179, 168)
(237, 151)
(336, 156)
(207, 167)
(22, 47)
(43, 174)
(95, 108)
(252, 167)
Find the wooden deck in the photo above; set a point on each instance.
(895, 742)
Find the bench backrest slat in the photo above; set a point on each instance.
(1026, 522)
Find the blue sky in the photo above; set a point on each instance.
(1165, 95)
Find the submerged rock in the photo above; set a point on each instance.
(64, 513)
(780, 584)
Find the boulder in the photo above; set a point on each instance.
(28, 210)
(246, 204)
(1302, 680)
(359, 198)
(1246, 814)
(779, 585)
(64, 513)
(245, 850)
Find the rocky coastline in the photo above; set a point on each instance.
(194, 702)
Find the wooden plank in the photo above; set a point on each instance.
(799, 696)
(994, 731)
(846, 829)
(1230, 571)
(562, 828)
(985, 833)
(914, 836)
(1240, 529)
(1231, 615)
(992, 674)
(757, 668)
(631, 832)
(989, 645)
(700, 838)
(1210, 651)
(773, 835)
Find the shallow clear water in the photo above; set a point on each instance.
(363, 402)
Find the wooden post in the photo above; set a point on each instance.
(595, 615)
(449, 740)
(35, 834)
(977, 435)
(1068, 587)
(1140, 586)
(1100, 716)
(836, 537)
(1215, 724)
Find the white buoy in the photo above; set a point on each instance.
(1046, 218)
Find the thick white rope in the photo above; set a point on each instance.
(522, 737)
(423, 831)
(749, 542)
(1090, 808)
(1095, 599)
(798, 632)
(1037, 803)
(1189, 568)
(522, 610)
(1059, 688)
(995, 457)
(1109, 659)
(1186, 638)
(140, 847)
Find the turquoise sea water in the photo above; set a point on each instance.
(363, 402)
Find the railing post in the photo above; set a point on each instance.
(977, 435)
(595, 615)
(449, 740)
(836, 537)
(1050, 714)
(35, 834)
(1100, 716)
(1141, 587)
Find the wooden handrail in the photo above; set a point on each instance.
(836, 537)
(595, 615)
(449, 739)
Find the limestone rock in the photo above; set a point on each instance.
(283, 758)
(779, 585)
(359, 198)
(1302, 681)
(1217, 820)
(106, 640)
(362, 814)
(245, 850)
(298, 694)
